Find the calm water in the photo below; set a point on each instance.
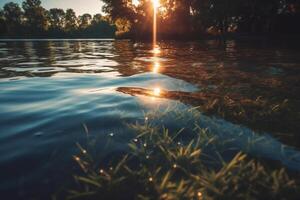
(50, 90)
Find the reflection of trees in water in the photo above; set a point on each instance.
(128, 54)
(43, 55)
(241, 82)
(234, 89)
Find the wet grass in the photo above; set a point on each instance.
(165, 164)
(279, 117)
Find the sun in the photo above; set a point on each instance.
(156, 91)
(156, 3)
(135, 2)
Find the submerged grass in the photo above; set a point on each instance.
(161, 165)
(257, 112)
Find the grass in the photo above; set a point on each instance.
(255, 112)
(161, 164)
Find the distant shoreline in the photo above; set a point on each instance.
(245, 36)
(55, 39)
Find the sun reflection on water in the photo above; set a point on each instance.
(156, 67)
(156, 50)
(156, 64)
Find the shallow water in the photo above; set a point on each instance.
(50, 90)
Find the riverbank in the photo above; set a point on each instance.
(148, 37)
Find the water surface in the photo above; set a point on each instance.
(51, 91)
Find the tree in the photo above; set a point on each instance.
(183, 17)
(100, 27)
(130, 18)
(97, 18)
(2, 23)
(84, 21)
(172, 13)
(70, 21)
(57, 18)
(13, 17)
(36, 21)
(36, 16)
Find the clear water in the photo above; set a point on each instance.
(51, 89)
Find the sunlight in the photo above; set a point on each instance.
(156, 4)
(135, 2)
(156, 49)
(156, 67)
(156, 91)
(155, 7)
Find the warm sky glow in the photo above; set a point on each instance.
(79, 6)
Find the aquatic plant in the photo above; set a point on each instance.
(257, 113)
(161, 164)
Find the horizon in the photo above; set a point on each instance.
(95, 6)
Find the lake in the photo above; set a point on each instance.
(55, 94)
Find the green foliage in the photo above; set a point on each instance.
(160, 166)
(57, 17)
(84, 21)
(36, 21)
(71, 20)
(36, 15)
(12, 14)
(187, 17)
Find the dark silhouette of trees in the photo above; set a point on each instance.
(85, 21)
(176, 18)
(71, 21)
(99, 26)
(34, 21)
(97, 18)
(13, 17)
(57, 19)
(2, 23)
(218, 17)
(36, 17)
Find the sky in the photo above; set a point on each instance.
(79, 6)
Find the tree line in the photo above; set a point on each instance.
(32, 20)
(176, 18)
(200, 17)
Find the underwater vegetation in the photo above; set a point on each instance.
(190, 163)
